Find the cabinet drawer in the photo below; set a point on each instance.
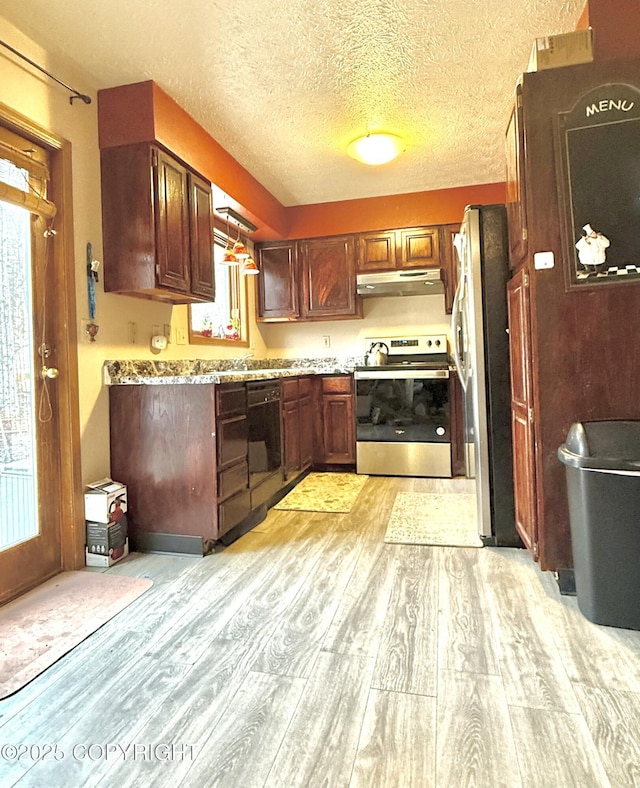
(233, 511)
(341, 384)
(289, 389)
(231, 399)
(233, 480)
(305, 387)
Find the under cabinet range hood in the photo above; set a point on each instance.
(401, 283)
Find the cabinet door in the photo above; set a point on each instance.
(172, 223)
(420, 247)
(201, 238)
(516, 187)
(522, 413)
(339, 435)
(449, 264)
(290, 438)
(377, 251)
(338, 420)
(306, 431)
(278, 282)
(329, 278)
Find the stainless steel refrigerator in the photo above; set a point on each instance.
(479, 325)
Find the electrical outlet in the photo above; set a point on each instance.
(132, 332)
(326, 341)
(181, 336)
(167, 332)
(155, 330)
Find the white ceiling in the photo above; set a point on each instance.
(285, 85)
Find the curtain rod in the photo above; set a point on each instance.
(76, 94)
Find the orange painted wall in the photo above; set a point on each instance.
(143, 112)
(441, 206)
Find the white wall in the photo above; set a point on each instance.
(382, 317)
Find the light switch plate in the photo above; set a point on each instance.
(543, 260)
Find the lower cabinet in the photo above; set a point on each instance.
(338, 420)
(296, 395)
(182, 452)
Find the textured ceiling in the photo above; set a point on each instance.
(284, 86)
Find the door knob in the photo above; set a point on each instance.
(49, 372)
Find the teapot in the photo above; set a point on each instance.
(377, 354)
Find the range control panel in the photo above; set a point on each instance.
(419, 345)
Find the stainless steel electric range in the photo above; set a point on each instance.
(402, 408)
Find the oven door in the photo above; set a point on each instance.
(402, 422)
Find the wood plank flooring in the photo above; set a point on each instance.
(309, 654)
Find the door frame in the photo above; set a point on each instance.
(63, 302)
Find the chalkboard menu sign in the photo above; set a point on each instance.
(599, 146)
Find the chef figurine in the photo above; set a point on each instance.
(591, 248)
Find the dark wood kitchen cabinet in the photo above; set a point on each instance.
(306, 280)
(386, 250)
(449, 264)
(337, 410)
(377, 251)
(572, 153)
(157, 226)
(182, 452)
(522, 426)
(296, 395)
(278, 283)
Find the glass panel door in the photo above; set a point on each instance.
(18, 494)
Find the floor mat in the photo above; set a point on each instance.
(44, 624)
(324, 492)
(434, 519)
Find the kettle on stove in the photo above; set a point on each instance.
(377, 354)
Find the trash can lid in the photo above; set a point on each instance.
(606, 445)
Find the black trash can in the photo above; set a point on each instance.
(602, 461)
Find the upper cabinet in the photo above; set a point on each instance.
(328, 267)
(420, 247)
(157, 226)
(308, 280)
(278, 281)
(417, 247)
(516, 191)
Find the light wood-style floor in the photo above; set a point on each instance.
(309, 654)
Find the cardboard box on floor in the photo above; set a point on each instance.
(105, 501)
(565, 49)
(93, 559)
(106, 543)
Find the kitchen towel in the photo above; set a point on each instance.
(325, 492)
(434, 519)
(38, 628)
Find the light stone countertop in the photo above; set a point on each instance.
(200, 371)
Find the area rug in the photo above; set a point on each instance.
(324, 492)
(446, 519)
(44, 624)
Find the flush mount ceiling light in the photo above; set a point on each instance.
(376, 148)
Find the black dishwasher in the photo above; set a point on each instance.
(265, 451)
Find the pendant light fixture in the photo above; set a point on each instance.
(250, 267)
(228, 257)
(376, 148)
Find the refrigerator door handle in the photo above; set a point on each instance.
(456, 330)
